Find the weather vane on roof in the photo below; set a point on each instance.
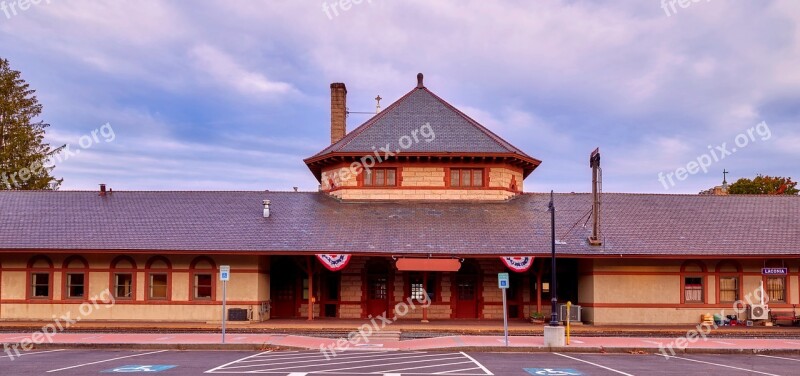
(725, 176)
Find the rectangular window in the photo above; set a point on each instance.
(40, 285)
(75, 285)
(158, 286)
(202, 286)
(380, 177)
(368, 177)
(693, 290)
(776, 289)
(417, 287)
(466, 177)
(728, 289)
(123, 286)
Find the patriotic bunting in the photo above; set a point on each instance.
(334, 262)
(518, 264)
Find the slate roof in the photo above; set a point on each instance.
(633, 224)
(455, 132)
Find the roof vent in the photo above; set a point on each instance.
(266, 208)
(419, 81)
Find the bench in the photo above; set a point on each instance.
(776, 316)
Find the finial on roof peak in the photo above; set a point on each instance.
(419, 81)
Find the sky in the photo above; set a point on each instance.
(232, 95)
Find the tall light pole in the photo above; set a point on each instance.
(553, 281)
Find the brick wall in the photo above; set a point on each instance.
(423, 176)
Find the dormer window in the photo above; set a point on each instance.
(380, 177)
(466, 177)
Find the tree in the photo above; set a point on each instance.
(764, 185)
(23, 153)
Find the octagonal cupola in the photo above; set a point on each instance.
(420, 148)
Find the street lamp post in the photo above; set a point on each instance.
(553, 281)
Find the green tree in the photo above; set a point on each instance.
(764, 185)
(23, 153)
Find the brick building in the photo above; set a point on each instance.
(420, 198)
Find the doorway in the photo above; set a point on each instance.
(285, 277)
(377, 299)
(467, 291)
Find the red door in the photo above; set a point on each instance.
(283, 289)
(466, 292)
(377, 295)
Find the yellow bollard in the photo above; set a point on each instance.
(569, 305)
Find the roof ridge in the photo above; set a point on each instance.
(338, 145)
(505, 144)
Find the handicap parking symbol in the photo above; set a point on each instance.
(140, 368)
(553, 371)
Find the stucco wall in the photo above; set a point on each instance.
(246, 289)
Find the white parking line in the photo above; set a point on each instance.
(779, 357)
(104, 361)
(720, 365)
(362, 359)
(435, 365)
(238, 360)
(595, 364)
(34, 353)
(478, 363)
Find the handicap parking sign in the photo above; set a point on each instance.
(553, 371)
(140, 368)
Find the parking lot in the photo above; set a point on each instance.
(393, 363)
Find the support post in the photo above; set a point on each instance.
(425, 288)
(310, 289)
(224, 310)
(553, 280)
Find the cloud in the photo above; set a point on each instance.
(224, 69)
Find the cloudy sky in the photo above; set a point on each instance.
(232, 95)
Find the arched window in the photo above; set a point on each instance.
(159, 279)
(76, 277)
(202, 273)
(729, 281)
(693, 282)
(123, 278)
(40, 277)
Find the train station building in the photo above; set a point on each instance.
(419, 202)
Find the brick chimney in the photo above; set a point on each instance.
(338, 111)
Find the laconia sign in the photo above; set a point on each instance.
(774, 271)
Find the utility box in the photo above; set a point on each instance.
(237, 314)
(574, 313)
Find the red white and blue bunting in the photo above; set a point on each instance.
(518, 264)
(333, 262)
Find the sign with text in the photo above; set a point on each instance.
(224, 273)
(775, 271)
(502, 280)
